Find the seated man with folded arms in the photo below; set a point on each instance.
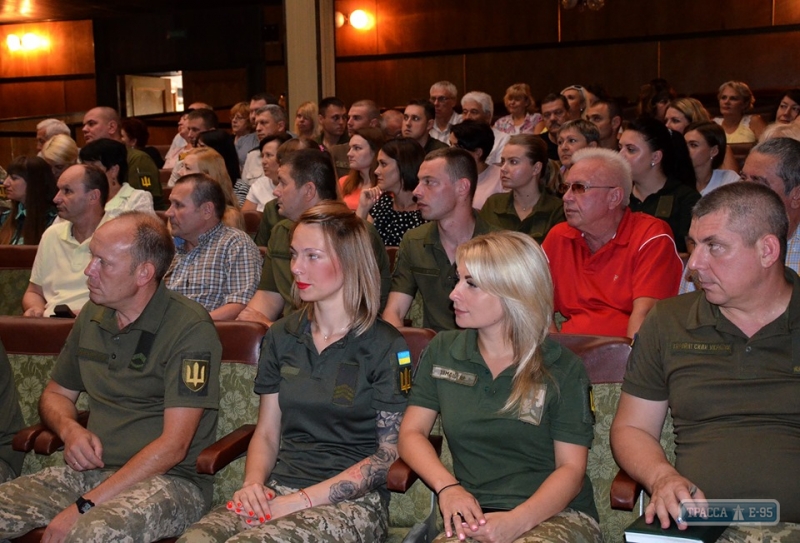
(724, 361)
(57, 274)
(426, 257)
(215, 265)
(11, 421)
(609, 264)
(305, 178)
(148, 359)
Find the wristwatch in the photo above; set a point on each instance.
(83, 505)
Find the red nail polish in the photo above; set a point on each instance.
(248, 521)
(251, 513)
(260, 519)
(230, 505)
(268, 517)
(238, 504)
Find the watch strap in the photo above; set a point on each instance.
(83, 504)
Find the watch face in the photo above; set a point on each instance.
(83, 505)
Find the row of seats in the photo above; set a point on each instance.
(34, 344)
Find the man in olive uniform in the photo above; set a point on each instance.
(724, 360)
(148, 360)
(10, 421)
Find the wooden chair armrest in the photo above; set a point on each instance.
(24, 439)
(47, 442)
(401, 476)
(624, 492)
(215, 457)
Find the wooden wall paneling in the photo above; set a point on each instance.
(787, 12)
(634, 18)
(28, 99)
(79, 95)
(762, 61)
(216, 87)
(71, 50)
(276, 82)
(392, 83)
(621, 68)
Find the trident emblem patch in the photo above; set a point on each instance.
(194, 374)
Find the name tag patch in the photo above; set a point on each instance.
(458, 377)
(702, 348)
(531, 408)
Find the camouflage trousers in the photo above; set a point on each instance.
(783, 532)
(6, 473)
(569, 526)
(365, 519)
(159, 507)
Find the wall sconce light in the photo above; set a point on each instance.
(358, 19)
(28, 42)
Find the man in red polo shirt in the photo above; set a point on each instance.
(609, 265)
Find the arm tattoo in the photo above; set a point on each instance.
(373, 469)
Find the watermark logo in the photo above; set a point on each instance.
(725, 512)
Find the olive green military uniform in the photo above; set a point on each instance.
(143, 175)
(735, 400)
(422, 264)
(276, 274)
(269, 219)
(548, 211)
(168, 358)
(329, 402)
(10, 421)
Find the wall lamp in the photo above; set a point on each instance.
(358, 19)
(27, 42)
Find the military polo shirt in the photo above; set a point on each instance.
(735, 401)
(503, 458)
(548, 211)
(168, 357)
(673, 204)
(422, 264)
(269, 219)
(11, 420)
(143, 175)
(276, 273)
(329, 400)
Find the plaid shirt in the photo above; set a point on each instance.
(224, 268)
(792, 261)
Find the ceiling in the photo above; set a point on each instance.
(20, 11)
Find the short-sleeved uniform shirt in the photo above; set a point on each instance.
(329, 400)
(276, 274)
(735, 401)
(223, 268)
(673, 204)
(503, 458)
(595, 292)
(269, 219)
(143, 175)
(168, 357)
(548, 211)
(11, 420)
(422, 264)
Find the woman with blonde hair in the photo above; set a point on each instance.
(306, 121)
(363, 159)
(735, 100)
(524, 406)
(206, 160)
(60, 152)
(683, 112)
(244, 137)
(330, 402)
(522, 117)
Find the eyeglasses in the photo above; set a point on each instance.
(579, 188)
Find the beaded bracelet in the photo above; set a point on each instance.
(306, 498)
(446, 487)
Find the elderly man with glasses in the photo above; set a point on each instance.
(609, 264)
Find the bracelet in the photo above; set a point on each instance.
(306, 498)
(445, 487)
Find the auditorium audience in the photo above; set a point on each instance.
(206, 160)
(477, 138)
(31, 187)
(478, 106)
(554, 111)
(575, 135)
(60, 152)
(683, 112)
(606, 115)
(418, 120)
(134, 133)
(306, 121)
(576, 98)
(244, 136)
(789, 107)
(707, 148)
(654, 99)
(261, 190)
(48, 128)
(444, 97)
(223, 143)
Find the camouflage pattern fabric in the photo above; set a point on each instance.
(569, 526)
(364, 519)
(783, 532)
(162, 506)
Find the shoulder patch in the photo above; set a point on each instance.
(194, 376)
(404, 371)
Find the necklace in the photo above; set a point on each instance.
(334, 333)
